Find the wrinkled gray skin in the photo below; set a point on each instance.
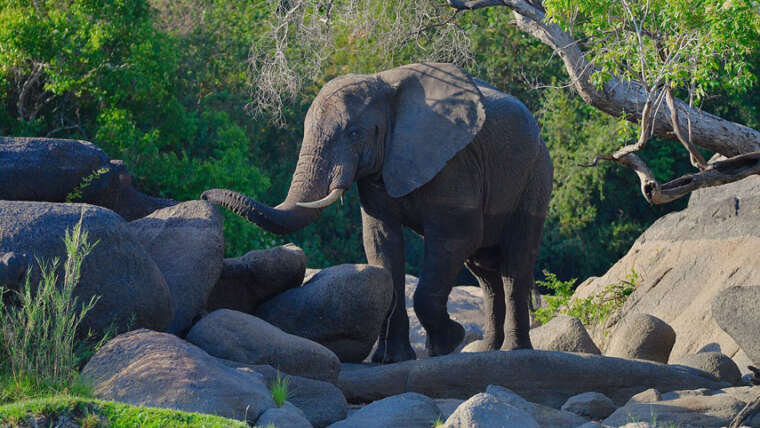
(445, 155)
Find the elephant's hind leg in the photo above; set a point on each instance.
(521, 242)
(485, 265)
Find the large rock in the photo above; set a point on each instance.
(132, 289)
(543, 377)
(702, 408)
(485, 410)
(592, 405)
(465, 306)
(563, 333)
(249, 280)
(53, 169)
(287, 416)
(685, 259)
(544, 415)
(407, 410)
(147, 368)
(735, 311)
(187, 244)
(236, 336)
(643, 337)
(341, 307)
(322, 402)
(715, 363)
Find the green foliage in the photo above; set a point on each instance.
(39, 324)
(279, 388)
(109, 414)
(76, 193)
(591, 311)
(438, 422)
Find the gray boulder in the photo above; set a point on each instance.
(132, 289)
(715, 363)
(249, 280)
(322, 402)
(487, 411)
(592, 405)
(544, 415)
(408, 410)
(642, 337)
(341, 307)
(287, 416)
(187, 244)
(684, 260)
(544, 377)
(735, 312)
(236, 336)
(147, 368)
(563, 333)
(686, 409)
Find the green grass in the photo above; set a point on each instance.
(92, 413)
(279, 390)
(438, 422)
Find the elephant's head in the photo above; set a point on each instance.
(404, 123)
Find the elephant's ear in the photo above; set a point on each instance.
(437, 111)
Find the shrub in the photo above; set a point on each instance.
(39, 324)
(279, 390)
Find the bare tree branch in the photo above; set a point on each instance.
(696, 158)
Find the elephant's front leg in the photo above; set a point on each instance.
(384, 246)
(449, 240)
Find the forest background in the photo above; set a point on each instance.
(166, 86)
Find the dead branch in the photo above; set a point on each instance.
(746, 415)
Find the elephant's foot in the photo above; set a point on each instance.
(446, 340)
(513, 342)
(389, 351)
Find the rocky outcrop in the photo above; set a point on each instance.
(643, 337)
(685, 259)
(735, 311)
(563, 333)
(153, 369)
(241, 337)
(703, 408)
(251, 279)
(544, 377)
(407, 410)
(287, 416)
(132, 289)
(592, 405)
(485, 410)
(187, 244)
(341, 307)
(544, 415)
(715, 363)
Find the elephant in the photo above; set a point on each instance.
(446, 155)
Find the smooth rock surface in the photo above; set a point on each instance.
(236, 336)
(563, 333)
(592, 405)
(735, 311)
(322, 402)
(484, 410)
(132, 289)
(643, 337)
(544, 415)
(287, 416)
(715, 363)
(147, 368)
(187, 244)
(543, 377)
(409, 410)
(686, 409)
(249, 280)
(687, 258)
(341, 307)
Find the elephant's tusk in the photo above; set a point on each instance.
(334, 195)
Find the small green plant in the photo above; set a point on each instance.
(279, 389)
(591, 311)
(437, 422)
(76, 193)
(39, 324)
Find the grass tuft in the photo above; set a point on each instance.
(279, 389)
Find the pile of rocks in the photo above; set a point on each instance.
(209, 334)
